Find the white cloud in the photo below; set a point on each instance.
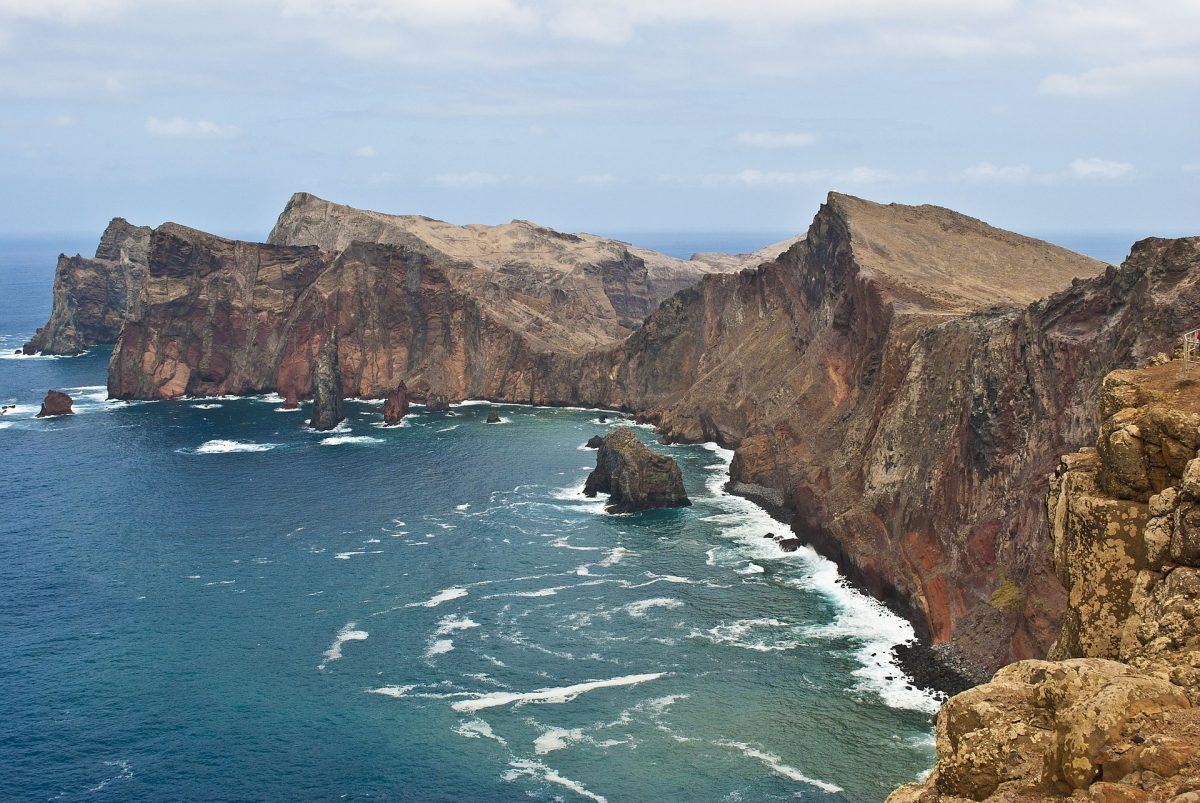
(988, 173)
(68, 11)
(1095, 167)
(419, 13)
(63, 121)
(473, 178)
(865, 175)
(752, 177)
(775, 139)
(600, 180)
(1192, 168)
(1123, 78)
(366, 152)
(184, 128)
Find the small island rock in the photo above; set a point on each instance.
(55, 403)
(595, 442)
(292, 401)
(493, 417)
(396, 405)
(327, 388)
(437, 403)
(634, 477)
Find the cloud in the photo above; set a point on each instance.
(366, 152)
(183, 128)
(418, 13)
(474, 178)
(1192, 168)
(63, 121)
(988, 173)
(775, 139)
(1123, 78)
(66, 11)
(600, 180)
(1095, 167)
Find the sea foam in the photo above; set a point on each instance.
(560, 694)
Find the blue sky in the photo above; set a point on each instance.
(601, 115)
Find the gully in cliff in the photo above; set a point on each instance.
(634, 477)
(327, 388)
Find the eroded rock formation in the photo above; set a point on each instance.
(633, 476)
(395, 406)
(1118, 718)
(56, 403)
(94, 297)
(327, 388)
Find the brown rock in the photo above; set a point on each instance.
(292, 401)
(437, 403)
(55, 403)
(395, 407)
(594, 442)
(634, 477)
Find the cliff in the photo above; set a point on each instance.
(94, 297)
(1118, 717)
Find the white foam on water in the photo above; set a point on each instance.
(536, 769)
(582, 571)
(206, 406)
(463, 506)
(125, 772)
(561, 694)
(398, 692)
(269, 398)
(750, 568)
(563, 542)
(341, 440)
(775, 763)
(452, 624)
(347, 633)
(5, 424)
(449, 428)
(439, 647)
(286, 410)
(859, 616)
(615, 556)
(445, 595)
(639, 609)
(556, 739)
(759, 635)
(222, 446)
(347, 555)
(477, 729)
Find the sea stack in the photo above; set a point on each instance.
(437, 403)
(492, 417)
(55, 403)
(327, 388)
(595, 442)
(396, 405)
(634, 477)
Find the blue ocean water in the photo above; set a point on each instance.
(201, 599)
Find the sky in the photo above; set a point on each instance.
(600, 115)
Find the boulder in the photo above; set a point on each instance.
(595, 442)
(327, 388)
(634, 477)
(396, 405)
(790, 544)
(55, 403)
(602, 419)
(493, 417)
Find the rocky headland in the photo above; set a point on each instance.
(1117, 716)
(634, 477)
(895, 385)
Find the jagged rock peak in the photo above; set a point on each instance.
(327, 387)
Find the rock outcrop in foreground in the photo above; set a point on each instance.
(1118, 718)
(327, 388)
(634, 477)
(56, 403)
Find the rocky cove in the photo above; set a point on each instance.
(896, 385)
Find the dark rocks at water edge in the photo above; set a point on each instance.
(493, 417)
(634, 477)
(55, 403)
(327, 388)
(437, 403)
(395, 407)
(292, 401)
(595, 442)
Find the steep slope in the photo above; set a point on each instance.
(907, 423)
(556, 286)
(94, 297)
(1118, 717)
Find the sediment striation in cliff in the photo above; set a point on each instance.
(1117, 718)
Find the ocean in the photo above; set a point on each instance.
(202, 599)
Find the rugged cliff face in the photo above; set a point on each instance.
(1118, 718)
(94, 297)
(562, 291)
